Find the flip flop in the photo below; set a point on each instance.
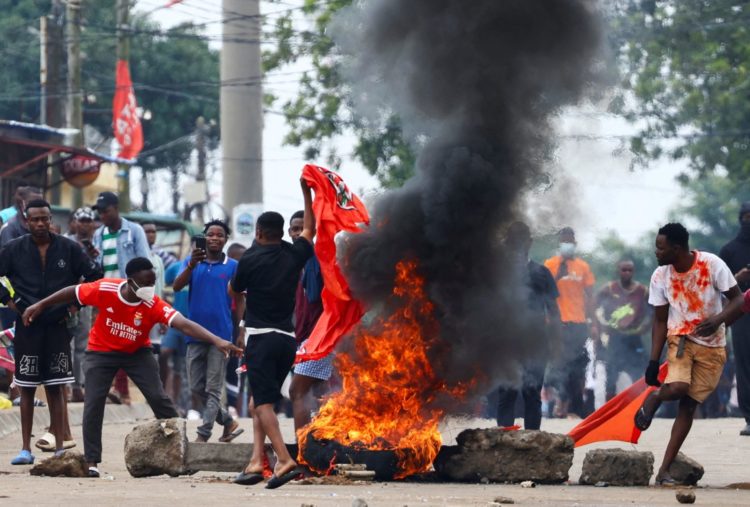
(114, 398)
(233, 434)
(665, 480)
(94, 473)
(248, 479)
(276, 482)
(641, 420)
(46, 442)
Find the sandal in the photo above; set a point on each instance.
(94, 473)
(47, 443)
(248, 479)
(231, 432)
(641, 420)
(23, 458)
(276, 482)
(114, 398)
(665, 480)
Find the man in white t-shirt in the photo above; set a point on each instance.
(686, 292)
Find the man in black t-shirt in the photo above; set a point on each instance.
(269, 271)
(541, 292)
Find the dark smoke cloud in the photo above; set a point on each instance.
(477, 82)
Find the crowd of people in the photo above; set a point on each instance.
(87, 314)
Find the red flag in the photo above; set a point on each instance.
(336, 209)
(125, 121)
(614, 419)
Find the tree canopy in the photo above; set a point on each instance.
(175, 75)
(323, 109)
(685, 79)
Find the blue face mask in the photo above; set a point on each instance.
(568, 250)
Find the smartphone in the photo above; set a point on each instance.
(200, 242)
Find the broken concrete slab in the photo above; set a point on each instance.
(156, 448)
(617, 467)
(685, 470)
(496, 455)
(161, 447)
(68, 464)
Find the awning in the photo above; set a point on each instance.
(26, 147)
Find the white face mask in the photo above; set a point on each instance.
(145, 293)
(568, 250)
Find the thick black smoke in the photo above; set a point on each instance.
(477, 82)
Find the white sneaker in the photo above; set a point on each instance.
(193, 415)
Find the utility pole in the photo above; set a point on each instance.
(74, 110)
(51, 59)
(123, 53)
(241, 106)
(201, 129)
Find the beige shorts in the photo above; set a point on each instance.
(699, 366)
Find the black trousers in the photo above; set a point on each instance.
(100, 369)
(571, 372)
(741, 346)
(531, 390)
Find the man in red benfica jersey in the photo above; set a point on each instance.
(119, 338)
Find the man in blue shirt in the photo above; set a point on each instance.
(208, 273)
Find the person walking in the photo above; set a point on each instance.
(686, 291)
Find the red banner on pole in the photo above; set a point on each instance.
(125, 121)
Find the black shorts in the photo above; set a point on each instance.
(269, 358)
(42, 354)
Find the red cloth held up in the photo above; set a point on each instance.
(336, 209)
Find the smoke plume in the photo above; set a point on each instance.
(477, 83)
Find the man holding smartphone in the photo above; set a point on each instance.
(207, 272)
(37, 265)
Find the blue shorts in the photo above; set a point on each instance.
(174, 340)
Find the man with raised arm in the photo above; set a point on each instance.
(128, 309)
(268, 272)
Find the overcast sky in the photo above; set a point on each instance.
(599, 193)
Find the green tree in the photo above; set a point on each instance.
(175, 75)
(711, 210)
(323, 109)
(685, 68)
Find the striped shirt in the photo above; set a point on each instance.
(109, 254)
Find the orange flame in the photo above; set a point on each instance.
(388, 384)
